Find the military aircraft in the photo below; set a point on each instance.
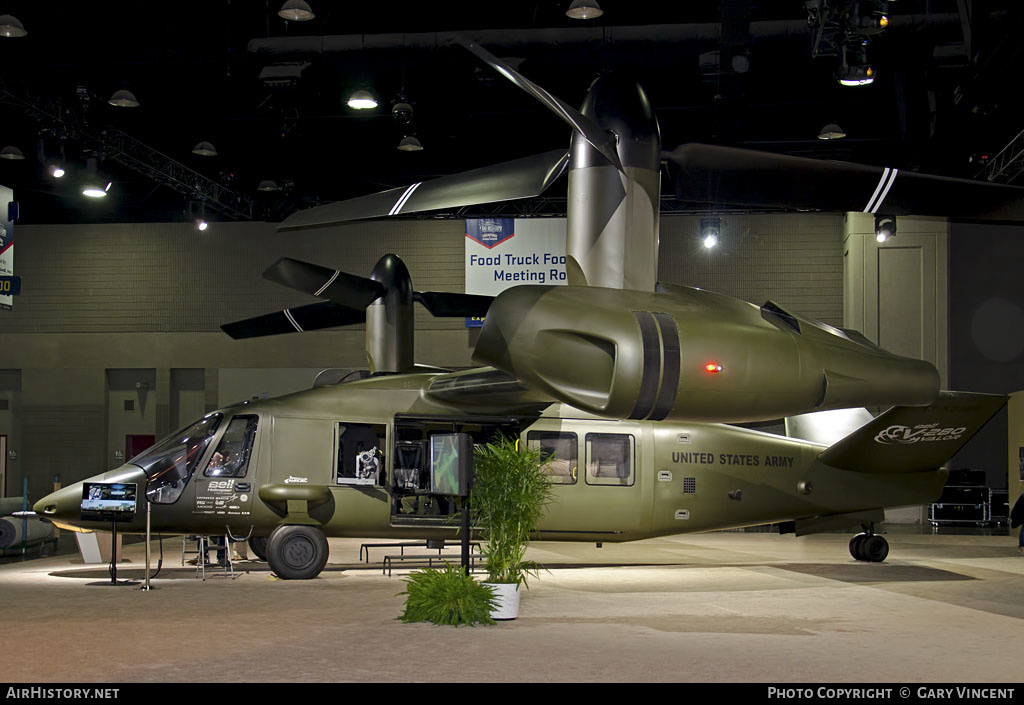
(626, 379)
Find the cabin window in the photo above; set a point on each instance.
(609, 459)
(231, 458)
(170, 463)
(360, 454)
(560, 451)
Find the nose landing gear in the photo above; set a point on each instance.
(869, 546)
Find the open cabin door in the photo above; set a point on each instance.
(413, 503)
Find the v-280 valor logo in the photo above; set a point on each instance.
(918, 434)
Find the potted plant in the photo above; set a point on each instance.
(447, 596)
(507, 501)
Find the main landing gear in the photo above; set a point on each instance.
(869, 546)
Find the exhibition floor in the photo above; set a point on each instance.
(727, 606)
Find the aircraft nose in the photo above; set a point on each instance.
(64, 504)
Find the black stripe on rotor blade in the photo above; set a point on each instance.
(325, 314)
(670, 370)
(441, 304)
(651, 365)
(519, 178)
(731, 176)
(345, 289)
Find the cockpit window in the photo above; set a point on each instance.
(170, 463)
(231, 459)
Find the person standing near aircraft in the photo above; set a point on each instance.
(1017, 519)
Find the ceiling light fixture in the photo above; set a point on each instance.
(362, 99)
(831, 131)
(410, 144)
(296, 11)
(11, 26)
(205, 149)
(584, 10)
(268, 186)
(123, 99)
(12, 153)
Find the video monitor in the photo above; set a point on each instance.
(451, 464)
(108, 501)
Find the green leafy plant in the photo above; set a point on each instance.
(509, 495)
(447, 596)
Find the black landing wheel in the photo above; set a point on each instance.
(258, 544)
(297, 552)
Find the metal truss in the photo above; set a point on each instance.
(130, 152)
(1009, 163)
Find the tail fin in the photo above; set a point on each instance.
(914, 439)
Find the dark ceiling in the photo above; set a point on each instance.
(947, 91)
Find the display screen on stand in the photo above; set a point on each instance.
(108, 501)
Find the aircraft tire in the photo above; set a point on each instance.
(297, 552)
(857, 545)
(258, 544)
(875, 548)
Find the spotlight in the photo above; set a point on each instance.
(855, 69)
(57, 171)
(94, 190)
(202, 225)
(92, 187)
(885, 227)
(710, 231)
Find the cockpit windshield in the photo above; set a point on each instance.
(169, 464)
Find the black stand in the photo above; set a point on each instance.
(465, 535)
(113, 562)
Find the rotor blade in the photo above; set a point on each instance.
(324, 314)
(445, 304)
(519, 178)
(345, 289)
(602, 140)
(727, 175)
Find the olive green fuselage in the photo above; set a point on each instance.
(617, 480)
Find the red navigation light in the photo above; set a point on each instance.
(712, 367)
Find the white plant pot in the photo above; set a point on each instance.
(507, 597)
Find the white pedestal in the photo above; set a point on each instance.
(95, 547)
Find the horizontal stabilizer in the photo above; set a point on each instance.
(914, 439)
(443, 304)
(325, 314)
(730, 176)
(519, 178)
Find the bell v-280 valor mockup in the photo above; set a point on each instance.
(627, 384)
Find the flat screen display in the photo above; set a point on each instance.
(108, 501)
(451, 464)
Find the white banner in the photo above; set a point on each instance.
(6, 243)
(506, 252)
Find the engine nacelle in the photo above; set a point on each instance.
(687, 354)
